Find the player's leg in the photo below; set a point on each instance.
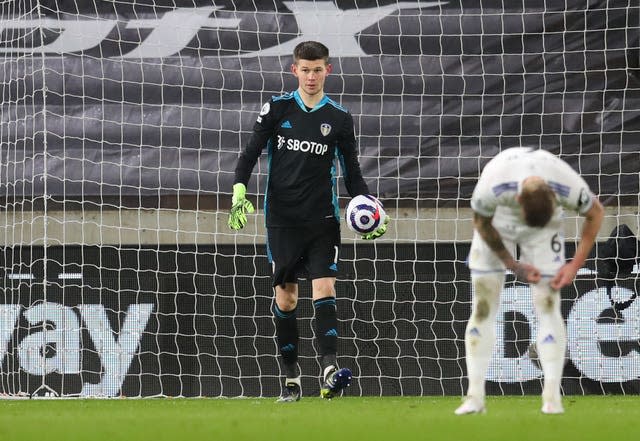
(322, 261)
(551, 344)
(334, 379)
(284, 250)
(326, 319)
(545, 249)
(287, 336)
(480, 337)
(487, 278)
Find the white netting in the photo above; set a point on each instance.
(121, 125)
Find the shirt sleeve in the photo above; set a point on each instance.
(263, 130)
(347, 153)
(483, 199)
(573, 193)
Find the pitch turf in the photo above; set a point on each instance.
(602, 418)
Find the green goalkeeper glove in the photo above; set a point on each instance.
(379, 232)
(240, 206)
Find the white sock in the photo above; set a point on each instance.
(480, 334)
(551, 341)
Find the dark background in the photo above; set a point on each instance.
(439, 91)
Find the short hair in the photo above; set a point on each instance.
(311, 50)
(538, 201)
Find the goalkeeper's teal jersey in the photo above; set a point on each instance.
(304, 146)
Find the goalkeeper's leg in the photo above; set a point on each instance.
(480, 337)
(334, 379)
(284, 313)
(551, 344)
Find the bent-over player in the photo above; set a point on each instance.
(519, 201)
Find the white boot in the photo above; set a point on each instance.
(552, 407)
(471, 405)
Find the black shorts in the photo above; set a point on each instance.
(308, 252)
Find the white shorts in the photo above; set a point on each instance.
(540, 247)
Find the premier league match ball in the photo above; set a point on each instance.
(364, 214)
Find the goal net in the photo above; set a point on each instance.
(121, 126)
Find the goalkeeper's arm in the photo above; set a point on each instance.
(240, 206)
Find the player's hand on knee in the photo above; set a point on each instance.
(563, 277)
(527, 273)
(240, 206)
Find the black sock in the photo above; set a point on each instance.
(326, 330)
(287, 336)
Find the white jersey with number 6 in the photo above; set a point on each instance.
(495, 196)
(502, 178)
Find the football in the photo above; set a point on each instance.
(364, 214)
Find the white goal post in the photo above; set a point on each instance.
(120, 128)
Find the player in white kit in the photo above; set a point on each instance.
(519, 201)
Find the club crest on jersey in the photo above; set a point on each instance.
(325, 129)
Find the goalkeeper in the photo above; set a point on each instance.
(305, 133)
(519, 200)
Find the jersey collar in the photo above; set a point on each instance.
(323, 101)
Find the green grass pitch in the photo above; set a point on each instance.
(602, 418)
